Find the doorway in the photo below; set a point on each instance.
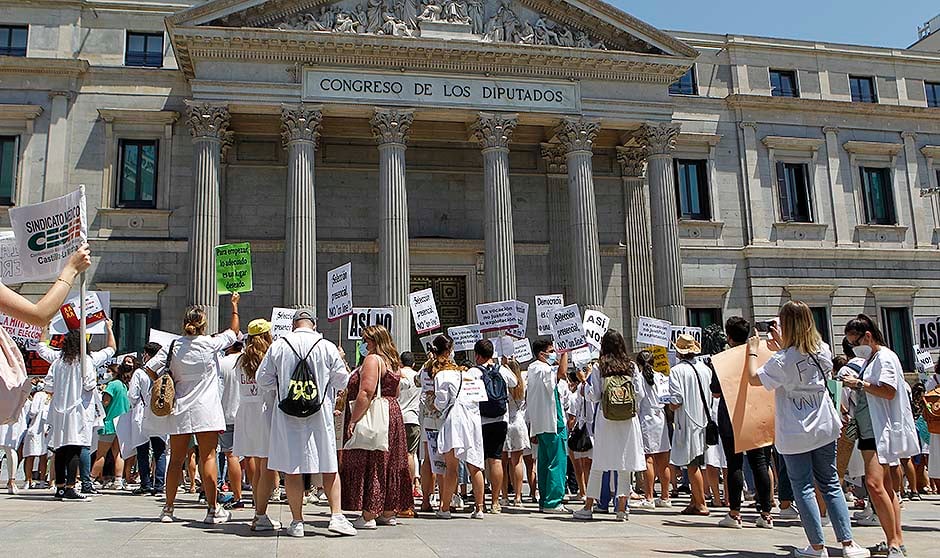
(450, 295)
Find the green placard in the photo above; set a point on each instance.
(233, 268)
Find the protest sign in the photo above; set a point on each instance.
(339, 292)
(928, 332)
(676, 331)
(361, 318)
(427, 342)
(925, 364)
(24, 334)
(233, 268)
(522, 350)
(545, 305)
(660, 359)
(567, 329)
(522, 320)
(48, 233)
(595, 326)
(582, 357)
(465, 336)
(424, 311)
(497, 316)
(653, 332)
(11, 272)
(282, 321)
(163, 338)
(473, 391)
(503, 346)
(97, 309)
(751, 407)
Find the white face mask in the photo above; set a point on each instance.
(862, 351)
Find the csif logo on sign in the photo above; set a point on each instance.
(54, 230)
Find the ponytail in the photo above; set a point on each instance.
(863, 324)
(195, 321)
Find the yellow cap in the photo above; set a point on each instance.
(259, 326)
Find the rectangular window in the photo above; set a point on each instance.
(13, 39)
(8, 164)
(933, 94)
(144, 49)
(783, 83)
(793, 192)
(703, 317)
(686, 84)
(879, 198)
(900, 336)
(821, 317)
(138, 178)
(132, 327)
(863, 89)
(692, 189)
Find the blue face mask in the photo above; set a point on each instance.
(552, 359)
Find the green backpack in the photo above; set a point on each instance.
(619, 400)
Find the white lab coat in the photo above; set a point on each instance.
(540, 399)
(76, 408)
(652, 412)
(618, 444)
(461, 429)
(253, 418)
(892, 420)
(35, 441)
(303, 445)
(130, 425)
(688, 440)
(12, 434)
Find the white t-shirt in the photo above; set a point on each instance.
(477, 373)
(229, 381)
(892, 419)
(806, 418)
(409, 395)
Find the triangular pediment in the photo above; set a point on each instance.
(582, 24)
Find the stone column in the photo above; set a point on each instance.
(493, 131)
(660, 141)
(209, 127)
(639, 256)
(577, 140)
(390, 128)
(556, 183)
(300, 130)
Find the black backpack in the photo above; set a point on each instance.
(497, 393)
(303, 395)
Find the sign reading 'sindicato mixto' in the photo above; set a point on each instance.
(454, 91)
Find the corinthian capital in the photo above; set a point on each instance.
(300, 123)
(577, 134)
(555, 160)
(632, 161)
(493, 129)
(659, 139)
(208, 121)
(392, 125)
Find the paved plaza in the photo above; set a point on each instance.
(124, 525)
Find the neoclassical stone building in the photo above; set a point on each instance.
(488, 149)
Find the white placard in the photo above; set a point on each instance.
(11, 271)
(48, 233)
(925, 364)
(522, 350)
(676, 331)
(163, 338)
(544, 306)
(568, 329)
(424, 311)
(362, 318)
(96, 301)
(503, 346)
(653, 332)
(339, 292)
(522, 320)
(473, 391)
(23, 333)
(465, 336)
(582, 357)
(595, 326)
(928, 332)
(427, 342)
(282, 321)
(497, 316)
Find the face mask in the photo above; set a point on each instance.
(862, 351)
(552, 359)
(363, 350)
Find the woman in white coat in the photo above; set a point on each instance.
(36, 439)
(651, 387)
(933, 460)
(10, 437)
(688, 386)
(193, 363)
(618, 444)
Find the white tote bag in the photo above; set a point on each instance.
(371, 432)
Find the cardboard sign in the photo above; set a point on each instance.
(11, 271)
(660, 359)
(233, 268)
(465, 336)
(522, 350)
(568, 329)
(676, 331)
(424, 311)
(928, 332)
(48, 233)
(282, 321)
(163, 338)
(522, 321)
(497, 316)
(653, 332)
(925, 364)
(24, 334)
(545, 305)
(751, 408)
(595, 326)
(361, 318)
(97, 309)
(427, 342)
(339, 292)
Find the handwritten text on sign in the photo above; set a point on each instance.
(595, 326)
(567, 328)
(465, 336)
(544, 306)
(23, 333)
(339, 292)
(282, 321)
(424, 311)
(233, 268)
(653, 332)
(522, 321)
(496, 316)
(362, 318)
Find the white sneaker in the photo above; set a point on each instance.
(660, 503)
(824, 521)
(810, 552)
(868, 521)
(868, 511)
(623, 516)
(765, 522)
(583, 514)
(646, 505)
(11, 489)
(731, 522)
(264, 523)
(296, 529)
(895, 552)
(387, 521)
(477, 514)
(217, 516)
(789, 513)
(849, 498)
(166, 516)
(855, 551)
(361, 523)
(120, 484)
(311, 498)
(339, 524)
(559, 509)
(456, 502)
(441, 514)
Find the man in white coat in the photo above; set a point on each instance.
(307, 445)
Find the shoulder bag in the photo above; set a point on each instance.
(371, 432)
(580, 438)
(711, 427)
(163, 392)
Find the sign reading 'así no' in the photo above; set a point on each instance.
(452, 91)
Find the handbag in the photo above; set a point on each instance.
(371, 432)
(711, 427)
(163, 392)
(931, 412)
(580, 439)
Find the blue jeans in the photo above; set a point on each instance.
(84, 467)
(143, 464)
(819, 465)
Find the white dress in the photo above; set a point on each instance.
(76, 409)
(12, 434)
(130, 425)
(195, 369)
(688, 440)
(618, 444)
(302, 445)
(517, 433)
(652, 413)
(35, 442)
(253, 418)
(461, 430)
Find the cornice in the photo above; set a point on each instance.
(766, 102)
(105, 5)
(873, 148)
(70, 67)
(706, 291)
(139, 116)
(792, 144)
(810, 291)
(694, 138)
(131, 288)
(931, 151)
(19, 112)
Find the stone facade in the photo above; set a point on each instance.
(72, 99)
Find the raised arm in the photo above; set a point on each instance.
(42, 312)
(235, 324)
(563, 367)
